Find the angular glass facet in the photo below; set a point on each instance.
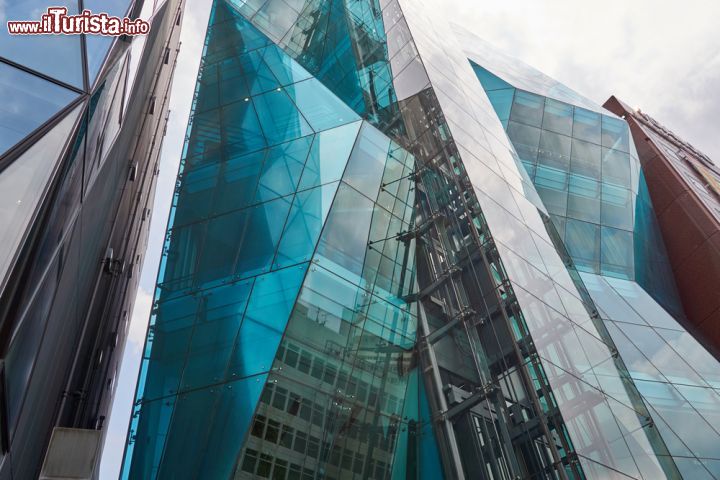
(28, 102)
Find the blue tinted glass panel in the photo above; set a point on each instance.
(282, 168)
(279, 118)
(28, 102)
(58, 56)
(237, 181)
(97, 47)
(285, 69)
(241, 127)
(271, 302)
(304, 225)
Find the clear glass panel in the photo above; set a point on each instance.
(525, 139)
(552, 186)
(617, 207)
(528, 108)
(367, 161)
(58, 56)
(558, 117)
(615, 133)
(329, 155)
(616, 252)
(583, 243)
(28, 102)
(344, 240)
(23, 183)
(584, 199)
(661, 355)
(554, 151)
(586, 125)
(585, 159)
(616, 167)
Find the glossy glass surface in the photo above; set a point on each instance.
(28, 102)
(23, 184)
(58, 56)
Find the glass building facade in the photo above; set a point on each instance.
(363, 277)
(81, 125)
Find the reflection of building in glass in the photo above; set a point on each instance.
(364, 278)
(685, 186)
(80, 132)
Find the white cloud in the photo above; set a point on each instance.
(659, 55)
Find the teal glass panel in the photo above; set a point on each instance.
(552, 186)
(616, 252)
(487, 79)
(429, 456)
(586, 125)
(615, 133)
(285, 69)
(150, 422)
(282, 169)
(367, 161)
(554, 150)
(526, 140)
(528, 108)
(213, 421)
(344, 241)
(583, 243)
(208, 87)
(216, 327)
(304, 224)
(584, 199)
(616, 208)
(501, 100)
(616, 167)
(271, 302)
(329, 155)
(279, 117)
(585, 159)
(240, 127)
(319, 106)
(257, 74)
(558, 117)
(237, 182)
(261, 235)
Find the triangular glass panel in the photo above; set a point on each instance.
(58, 56)
(28, 102)
(22, 185)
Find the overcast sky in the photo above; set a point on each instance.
(662, 56)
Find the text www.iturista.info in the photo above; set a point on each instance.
(57, 21)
